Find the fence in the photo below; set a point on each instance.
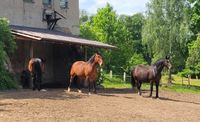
(124, 76)
(188, 79)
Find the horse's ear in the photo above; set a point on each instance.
(43, 60)
(97, 53)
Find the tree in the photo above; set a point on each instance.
(195, 19)
(106, 27)
(166, 31)
(134, 25)
(193, 60)
(7, 45)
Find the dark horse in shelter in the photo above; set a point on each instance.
(87, 71)
(152, 73)
(36, 67)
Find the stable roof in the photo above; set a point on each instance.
(52, 36)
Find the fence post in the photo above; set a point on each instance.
(110, 73)
(124, 76)
(189, 77)
(182, 79)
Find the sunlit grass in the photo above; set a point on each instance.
(176, 86)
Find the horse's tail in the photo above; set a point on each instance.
(132, 79)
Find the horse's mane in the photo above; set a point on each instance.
(158, 62)
(37, 67)
(91, 60)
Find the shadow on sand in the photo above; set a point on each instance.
(53, 94)
(175, 100)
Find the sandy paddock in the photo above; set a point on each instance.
(112, 105)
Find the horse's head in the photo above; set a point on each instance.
(167, 62)
(98, 59)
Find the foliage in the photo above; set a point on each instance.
(193, 60)
(7, 80)
(7, 45)
(136, 59)
(185, 73)
(195, 20)
(122, 31)
(166, 31)
(6, 37)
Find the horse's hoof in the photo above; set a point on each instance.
(89, 93)
(68, 89)
(79, 91)
(139, 93)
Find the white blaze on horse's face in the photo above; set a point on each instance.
(101, 62)
(99, 59)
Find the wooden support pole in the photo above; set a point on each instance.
(85, 53)
(31, 50)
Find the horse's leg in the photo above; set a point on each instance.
(70, 82)
(78, 85)
(34, 81)
(138, 87)
(94, 86)
(157, 86)
(151, 88)
(39, 84)
(89, 87)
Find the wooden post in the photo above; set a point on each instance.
(110, 73)
(31, 50)
(189, 77)
(85, 52)
(124, 76)
(30, 56)
(182, 80)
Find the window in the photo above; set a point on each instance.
(63, 4)
(47, 2)
(29, 1)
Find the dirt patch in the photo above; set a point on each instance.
(57, 105)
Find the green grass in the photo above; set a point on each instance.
(176, 86)
(181, 88)
(115, 83)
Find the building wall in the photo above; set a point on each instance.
(30, 14)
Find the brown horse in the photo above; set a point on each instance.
(86, 70)
(142, 73)
(36, 67)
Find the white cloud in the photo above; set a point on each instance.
(128, 7)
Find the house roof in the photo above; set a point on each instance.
(38, 34)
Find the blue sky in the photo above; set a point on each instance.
(128, 7)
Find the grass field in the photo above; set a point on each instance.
(175, 86)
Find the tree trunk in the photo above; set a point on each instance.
(170, 77)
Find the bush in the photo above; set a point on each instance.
(7, 81)
(7, 45)
(185, 73)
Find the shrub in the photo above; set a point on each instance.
(7, 45)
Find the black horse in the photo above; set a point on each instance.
(152, 73)
(36, 67)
